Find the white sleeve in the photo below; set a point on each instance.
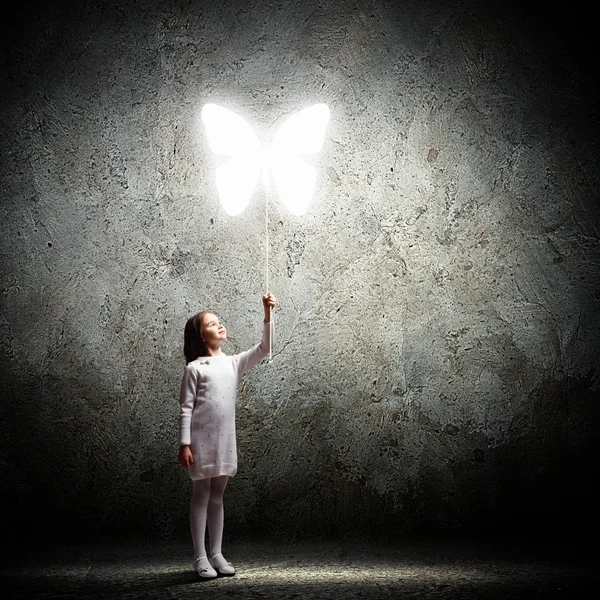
(247, 359)
(187, 397)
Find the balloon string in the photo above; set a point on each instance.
(267, 264)
(267, 234)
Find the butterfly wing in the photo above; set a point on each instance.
(295, 181)
(230, 135)
(237, 179)
(301, 135)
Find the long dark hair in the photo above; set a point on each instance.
(193, 346)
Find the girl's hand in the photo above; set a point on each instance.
(185, 459)
(268, 301)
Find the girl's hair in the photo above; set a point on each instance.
(193, 346)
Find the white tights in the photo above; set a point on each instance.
(207, 505)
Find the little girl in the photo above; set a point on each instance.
(207, 445)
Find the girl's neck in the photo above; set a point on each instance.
(214, 351)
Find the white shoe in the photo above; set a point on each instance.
(204, 572)
(222, 566)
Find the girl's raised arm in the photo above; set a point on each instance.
(247, 359)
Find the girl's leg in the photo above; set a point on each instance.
(198, 512)
(215, 513)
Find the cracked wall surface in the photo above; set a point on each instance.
(435, 368)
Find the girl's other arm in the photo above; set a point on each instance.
(187, 397)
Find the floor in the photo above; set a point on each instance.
(327, 570)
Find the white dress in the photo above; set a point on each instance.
(207, 408)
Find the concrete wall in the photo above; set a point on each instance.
(435, 368)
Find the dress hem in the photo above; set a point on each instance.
(228, 469)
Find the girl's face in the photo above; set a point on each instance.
(212, 331)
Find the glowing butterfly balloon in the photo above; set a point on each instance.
(301, 135)
(237, 178)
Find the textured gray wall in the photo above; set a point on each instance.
(435, 368)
